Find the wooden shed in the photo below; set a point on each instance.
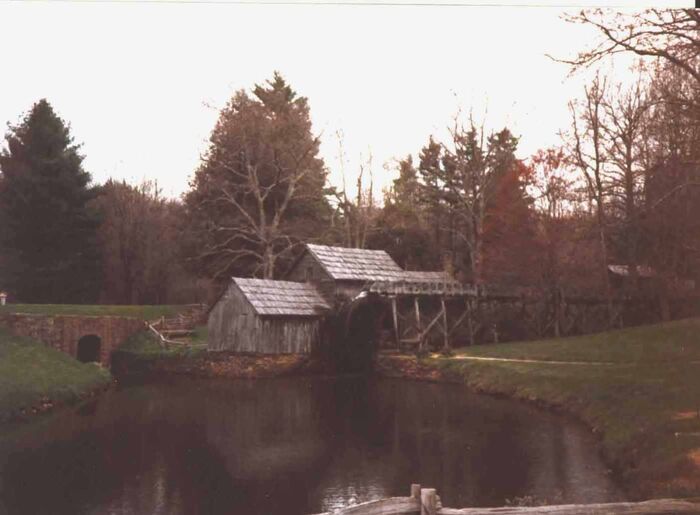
(267, 317)
(340, 272)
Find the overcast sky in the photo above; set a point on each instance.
(140, 83)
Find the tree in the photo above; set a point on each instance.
(357, 216)
(139, 243)
(586, 150)
(671, 35)
(260, 187)
(47, 223)
(401, 224)
(474, 163)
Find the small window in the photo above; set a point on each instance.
(309, 273)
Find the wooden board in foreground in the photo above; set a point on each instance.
(408, 505)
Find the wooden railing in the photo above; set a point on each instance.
(425, 501)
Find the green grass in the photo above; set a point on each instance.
(145, 346)
(637, 405)
(31, 371)
(143, 312)
(673, 341)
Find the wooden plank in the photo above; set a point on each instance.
(409, 505)
(654, 507)
(391, 506)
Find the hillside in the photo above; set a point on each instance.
(34, 377)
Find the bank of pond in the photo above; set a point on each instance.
(312, 443)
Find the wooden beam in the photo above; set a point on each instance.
(397, 337)
(460, 319)
(416, 308)
(415, 491)
(430, 325)
(445, 333)
(428, 501)
(470, 322)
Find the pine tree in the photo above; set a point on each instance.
(47, 227)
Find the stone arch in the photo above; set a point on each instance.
(89, 348)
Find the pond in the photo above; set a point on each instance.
(292, 446)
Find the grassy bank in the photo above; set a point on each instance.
(638, 388)
(143, 312)
(144, 346)
(34, 377)
(141, 355)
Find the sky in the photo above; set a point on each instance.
(141, 83)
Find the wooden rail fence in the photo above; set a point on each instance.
(425, 501)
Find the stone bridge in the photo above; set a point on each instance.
(87, 338)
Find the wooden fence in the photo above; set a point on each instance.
(425, 501)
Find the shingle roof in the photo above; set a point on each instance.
(282, 297)
(356, 264)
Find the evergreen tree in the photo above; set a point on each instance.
(47, 227)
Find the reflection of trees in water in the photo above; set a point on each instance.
(293, 446)
(474, 450)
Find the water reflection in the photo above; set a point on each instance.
(292, 446)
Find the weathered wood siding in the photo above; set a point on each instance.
(308, 269)
(234, 326)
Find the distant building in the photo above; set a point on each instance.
(622, 276)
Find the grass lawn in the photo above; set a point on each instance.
(143, 312)
(645, 406)
(31, 372)
(670, 342)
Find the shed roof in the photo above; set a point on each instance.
(282, 298)
(356, 264)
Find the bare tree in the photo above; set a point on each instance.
(672, 35)
(585, 144)
(358, 215)
(625, 129)
(260, 188)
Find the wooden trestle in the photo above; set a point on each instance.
(423, 310)
(436, 292)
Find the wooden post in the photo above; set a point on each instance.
(470, 321)
(418, 324)
(557, 314)
(446, 336)
(415, 491)
(397, 336)
(428, 501)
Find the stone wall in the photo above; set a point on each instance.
(64, 332)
